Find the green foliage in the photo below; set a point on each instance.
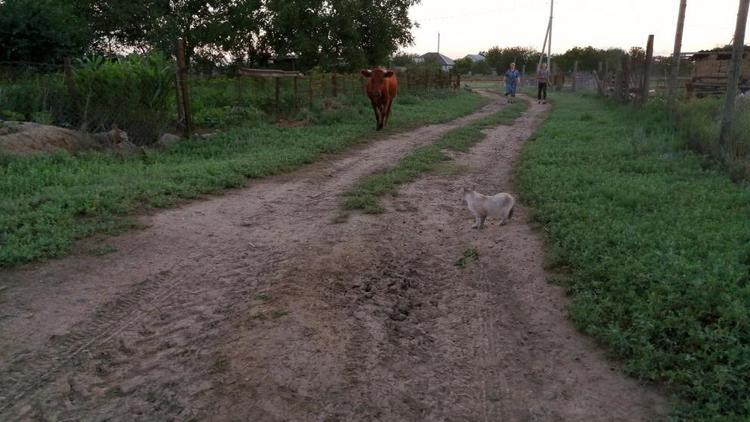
(699, 123)
(131, 92)
(41, 30)
(469, 256)
(499, 59)
(403, 59)
(47, 202)
(366, 194)
(464, 65)
(658, 246)
(589, 58)
(29, 95)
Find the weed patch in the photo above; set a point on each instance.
(657, 247)
(469, 256)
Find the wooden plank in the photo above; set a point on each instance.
(268, 73)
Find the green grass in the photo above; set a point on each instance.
(469, 256)
(366, 194)
(46, 203)
(655, 247)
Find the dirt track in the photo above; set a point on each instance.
(256, 306)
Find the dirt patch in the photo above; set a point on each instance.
(256, 306)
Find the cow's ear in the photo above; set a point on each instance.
(388, 74)
(366, 73)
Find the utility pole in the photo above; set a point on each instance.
(549, 46)
(438, 44)
(548, 37)
(725, 140)
(672, 83)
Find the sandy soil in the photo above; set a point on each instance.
(258, 306)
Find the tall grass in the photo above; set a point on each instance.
(699, 123)
(131, 92)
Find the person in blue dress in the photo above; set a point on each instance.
(512, 79)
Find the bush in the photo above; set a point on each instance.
(699, 121)
(132, 92)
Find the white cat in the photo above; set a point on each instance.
(498, 206)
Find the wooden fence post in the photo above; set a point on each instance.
(75, 103)
(645, 85)
(310, 91)
(277, 94)
(575, 76)
(735, 70)
(672, 83)
(240, 88)
(296, 92)
(183, 95)
(334, 85)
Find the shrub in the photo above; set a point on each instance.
(132, 92)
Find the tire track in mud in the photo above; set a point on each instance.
(101, 355)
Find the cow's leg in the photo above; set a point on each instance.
(377, 116)
(388, 111)
(381, 117)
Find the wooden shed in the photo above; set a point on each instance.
(711, 71)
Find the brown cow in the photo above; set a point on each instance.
(382, 87)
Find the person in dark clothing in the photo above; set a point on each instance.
(542, 77)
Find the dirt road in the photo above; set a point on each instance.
(257, 306)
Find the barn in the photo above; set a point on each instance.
(711, 70)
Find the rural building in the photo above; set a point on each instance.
(711, 72)
(475, 57)
(445, 63)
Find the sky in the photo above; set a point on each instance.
(471, 26)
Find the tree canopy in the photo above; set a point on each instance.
(327, 33)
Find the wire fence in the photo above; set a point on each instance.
(149, 96)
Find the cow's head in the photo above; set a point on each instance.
(376, 77)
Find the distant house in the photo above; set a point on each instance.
(475, 57)
(445, 63)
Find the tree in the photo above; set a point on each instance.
(41, 30)
(403, 59)
(499, 59)
(464, 66)
(339, 33)
(481, 68)
(225, 26)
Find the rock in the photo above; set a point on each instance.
(168, 139)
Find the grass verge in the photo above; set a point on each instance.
(366, 194)
(657, 247)
(48, 202)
